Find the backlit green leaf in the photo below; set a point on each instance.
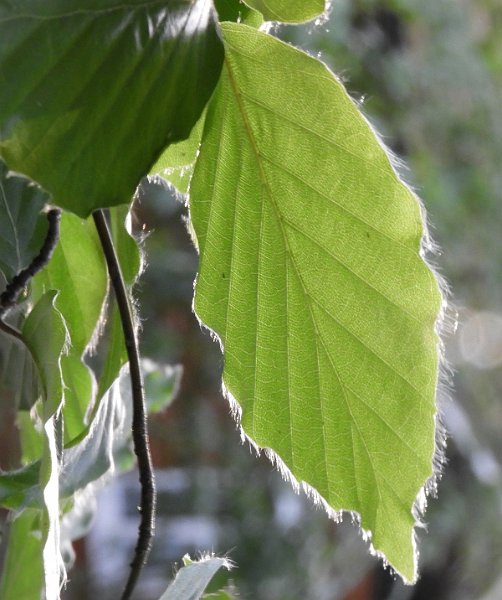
(311, 276)
(288, 11)
(78, 271)
(176, 163)
(91, 92)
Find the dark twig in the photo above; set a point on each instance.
(10, 295)
(139, 424)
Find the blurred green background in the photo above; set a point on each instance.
(428, 75)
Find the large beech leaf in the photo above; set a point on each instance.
(311, 276)
(288, 11)
(92, 91)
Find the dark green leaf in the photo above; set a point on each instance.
(22, 226)
(18, 372)
(92, 92)
(235, 10)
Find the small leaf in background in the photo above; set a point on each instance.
(319, 294)
(162, 383)
(115, 84)
(288, 11)
(192, 579)
(78, 271)
(22, 226)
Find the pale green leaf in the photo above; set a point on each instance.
(78, 270)
(288, 11)
(46, 336)
(20, 489)
(192, 579)
(109, 86)
(93, 458)
(30, 434)
(311, 276)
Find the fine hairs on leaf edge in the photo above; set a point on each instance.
(444, 326)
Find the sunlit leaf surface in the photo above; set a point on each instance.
(288, 11)
(311, 276)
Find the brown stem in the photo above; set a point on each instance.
(139, 423)
(9, 296)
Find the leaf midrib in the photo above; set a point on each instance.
(308, 299)
(289, 253)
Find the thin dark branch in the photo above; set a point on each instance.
(139, 424)
(11, 293)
